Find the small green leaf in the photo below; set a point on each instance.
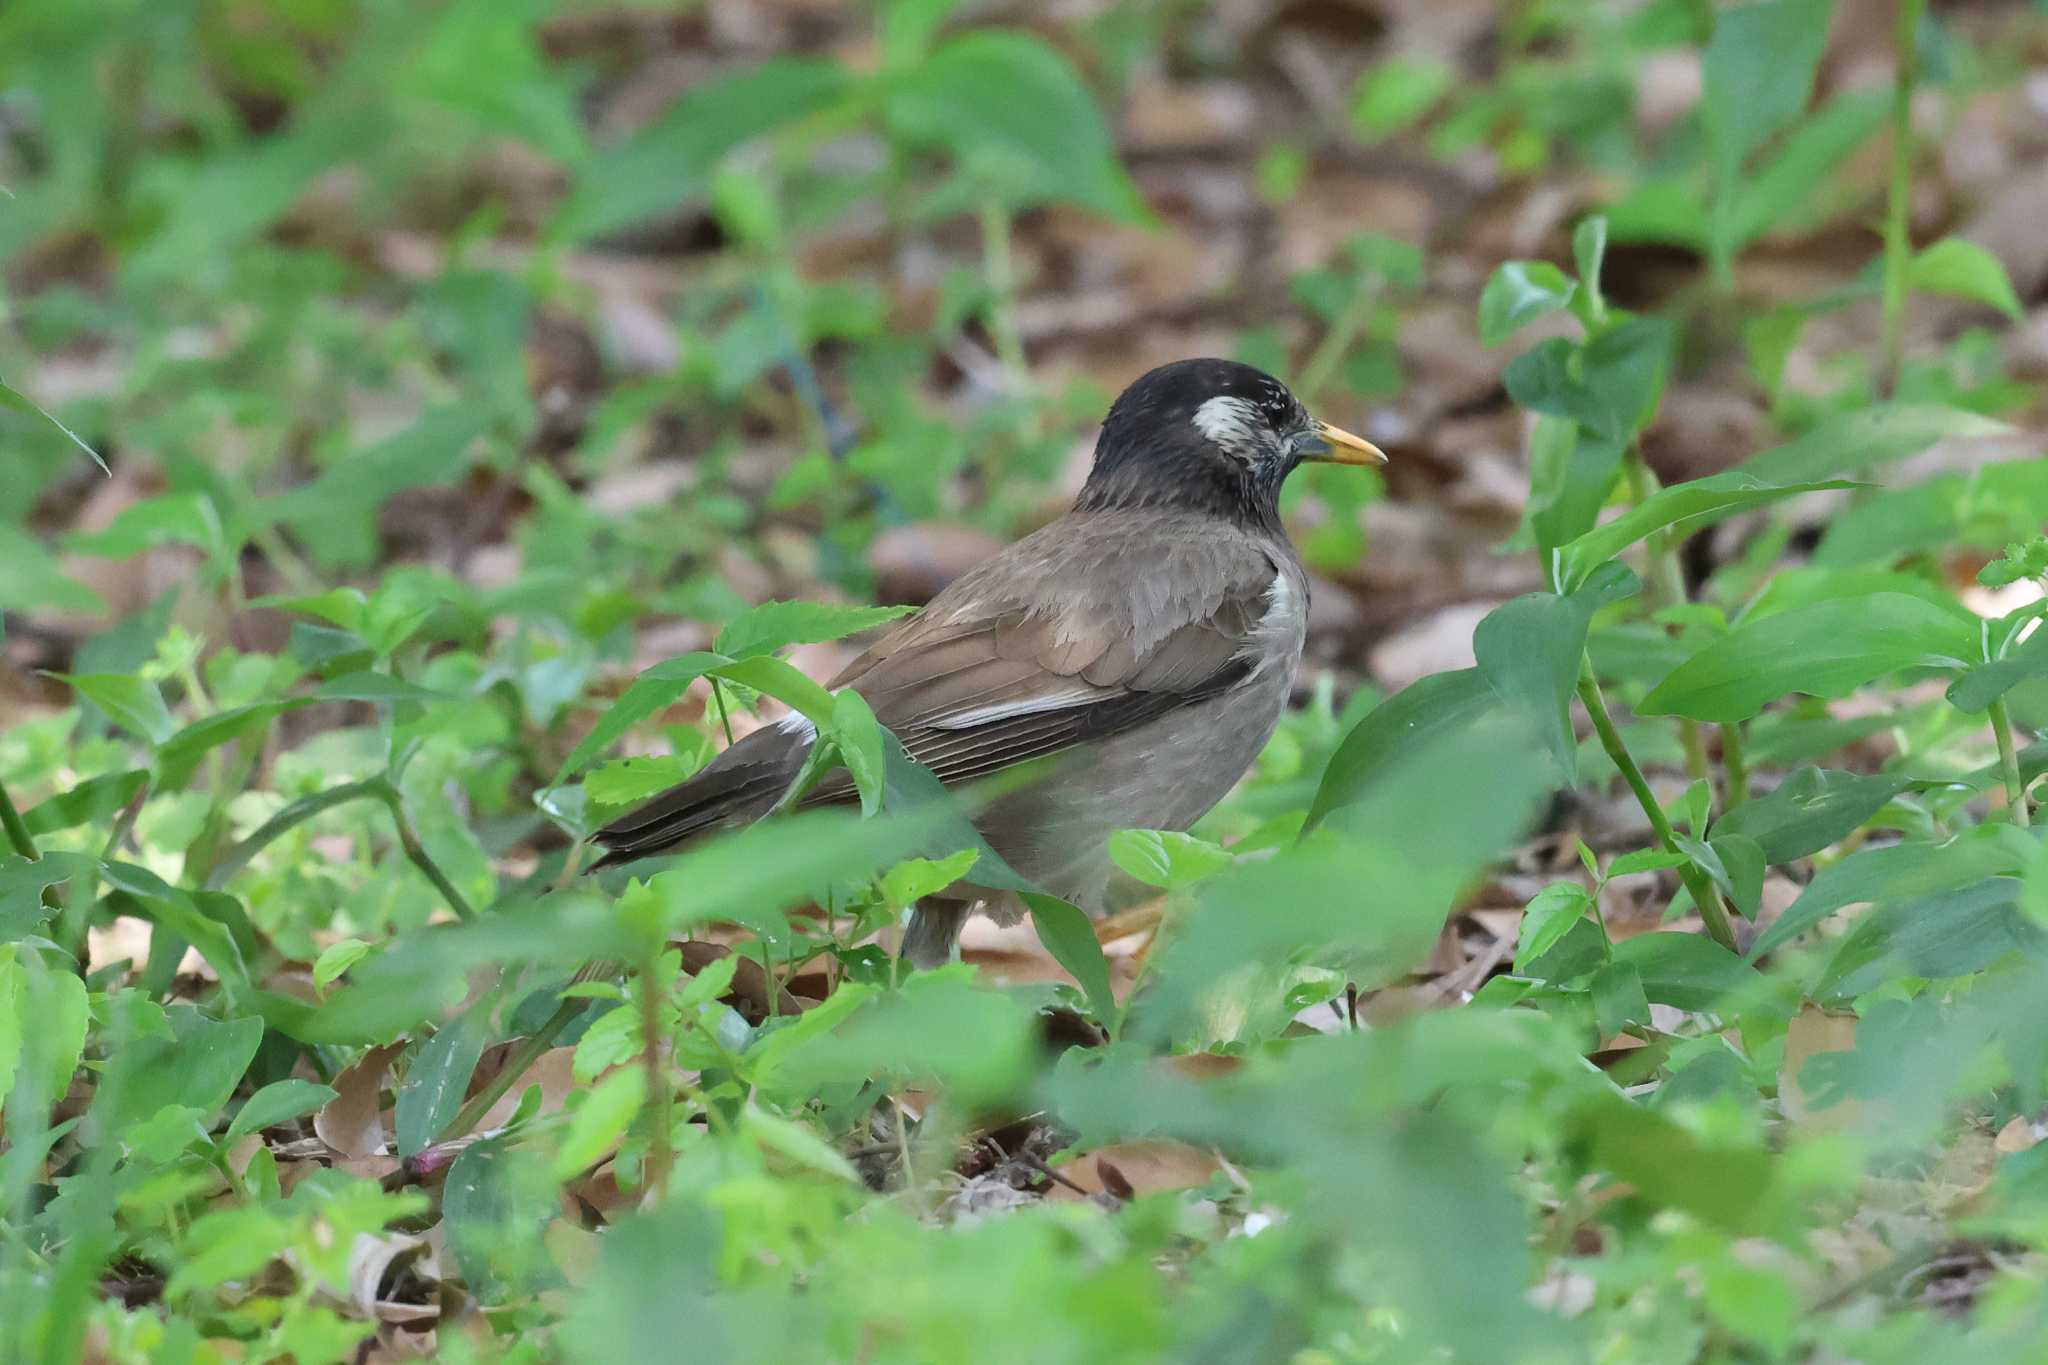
(1900, 872)
(1167, 859)
(1610, 385)
(274, 1104)
(1985, 683)
(439, 1077)
(915, 878)
(335, 959)
(623, 781)
(1619, 1001)
(1757, 75)
(131, 702)
(1685, 971)
(1548, 918)
(1399, 727)
(1963, 270)
(1809, 810)
(771, 626)
(655, 689)
(1589, 257)
(598, 1123)
(1397, 93)
(1645, 860)
(1070, 938)
(1518, 293)
(1685, 507)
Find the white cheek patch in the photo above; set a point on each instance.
(1231, 423)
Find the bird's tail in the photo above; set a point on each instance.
(743, 784)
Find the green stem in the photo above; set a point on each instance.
(1330, 351)
(1733, 762)
(1000, 266)
(1667, 588)
(516, 1065)
(1703, 893)
(2009, 764)
(661, 1155)
(416, 852)
(1898, 245)
(282, 823)
(17, 832)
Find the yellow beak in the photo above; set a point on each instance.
(1341, 447)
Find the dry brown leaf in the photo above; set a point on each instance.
(1129, 1169)
(1812, 1031)
(352, 1124)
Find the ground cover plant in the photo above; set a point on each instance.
(428, 430)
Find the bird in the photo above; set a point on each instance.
(1146, 641)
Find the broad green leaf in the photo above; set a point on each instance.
(178, 757)
(1167, 859)
(1619, 1001)
(274, 1104)
(1810, 809)
(1950, 933)
(1963, 270)
(771, 626)
(783, 681)
(1780, 191)
(1645, 860)
(1684, 507)
(131, 702)
(1826, 650)
(377, 687)
(859, 738)
(1399, 726)
(198, 1067)
(1571, 474)
(622, 781)
(1757, 75)
(343, 607)
(31, 577)
(669, 162)
(1685, 971)
(1735, 862)
(1863, 438)
(1547, 918)
(167, 519)
(1517, 293)
(22, 880)
(1900, 872)
(1530, 651)
(439, 1076)
(1070, 938)
(797, 1143)
(184, 913)
(1018, 120)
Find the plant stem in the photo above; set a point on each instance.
(409, 840)
(1667, 587)
(1898, 245)
(17, 832)
(2009, 762)
(1000, 266)
(1703, 893)
(660, 1145)
(1330, 351)
(516, 1065)
(1732, 762)
(281, 824)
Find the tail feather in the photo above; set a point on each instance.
(740, 785)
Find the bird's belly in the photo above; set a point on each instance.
(1165, 775)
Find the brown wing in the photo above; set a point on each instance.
(967, 698)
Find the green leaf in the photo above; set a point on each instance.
(177, 758)
(1645, 860)
(1758, 74)
(1780, 192)
(797, 1143)
(439, 1076)
(1589, 257)
(1070, 938)
(598, 1123)
(655, 689)
(1948, 934)
(1810, 809)
(1828, 649)
(1899, 872)
(1547, 918)
(1610, 385)
(783, 681)
(1685, 507)
(1019, 121)
(1530, 651)
(1865, 437)
(915, 878)
(378, 687)
(1985, 683)
(1684, 971)
(167, 519)
(1964, 270)
(1571, 474)
(16, 401)
(669, 162)
(31, 577)
(623, 781)
(1518, 293)
(1167, 859)
(1403, 724)
(131, 702)
(1397, 93)
(274, 1104)
(198, 1066)
(335, 959)
(771, 626)
(1619, 1001)
(96, 798)
(859, 737)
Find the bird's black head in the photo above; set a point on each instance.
(1212, 436)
